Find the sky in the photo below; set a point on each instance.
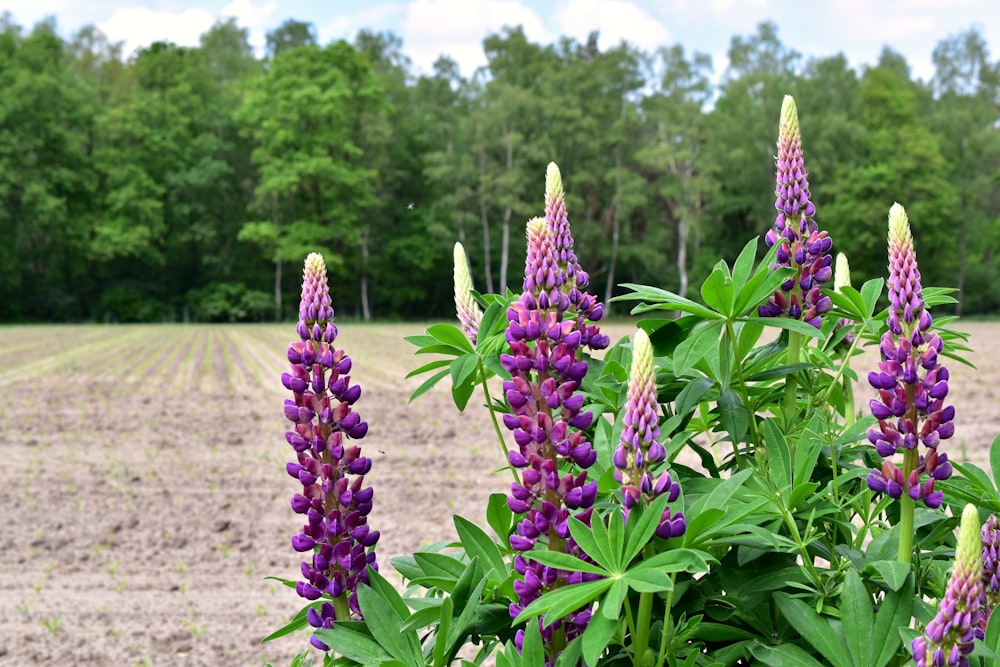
(428, 28)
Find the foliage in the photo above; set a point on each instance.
(788, 557)
(174, 169)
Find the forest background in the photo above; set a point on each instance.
(187, 184)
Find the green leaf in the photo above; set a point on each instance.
(298, 622)
(596, 637)
(763, 288)
(564, 561)
(463, 367)
(783, 655)
(437, 363)
(478, 543)
(893, 572)
(692, 393)
(778, 456)
(895, 612)
(790, 325)
(440, 565)
(648, 580)
(611, 605)
(351, 639)
(494, 315)
(814, 629)
(533, 652)
(735, 416)
(693, 349)
(857, 618)
(461, 395)
(561, 601)
(717, 290)
(441, 636)
(808, 448)
(995, 458)
(642, 523)
(449, 334)
(595, 542)
(427, 384)
(676, 560)
(660, 299)
(744, 263)
(870, 292)
(499, 516)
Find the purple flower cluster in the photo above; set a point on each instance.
(640, 446)
(911, 382)
(548, 326)
(469, 313)
(949, 637)
(801, 245)
(333, 499)
(990, 536)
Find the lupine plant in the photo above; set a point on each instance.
(701, 493)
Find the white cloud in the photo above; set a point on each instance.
(141, 26)
(617, 20)
(457, 28)
(257, 19)
(346, 26)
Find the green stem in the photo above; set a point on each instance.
(843, 367)
(493, 416)
(668, 623)
(791, 383)
(906, 507)
(744, 393)
(640, 640)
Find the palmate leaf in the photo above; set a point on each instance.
(814, 629)
(655, 298)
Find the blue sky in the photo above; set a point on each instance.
(858, 28)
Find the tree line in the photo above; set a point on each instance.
(179, 183)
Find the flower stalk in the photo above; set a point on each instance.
(337, 541)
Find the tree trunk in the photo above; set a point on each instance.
(366, 311)
(486, 224)
(682, 236)
(505, 250)
(277, 290)
(615, 233)
(962, 245)
(505, 238)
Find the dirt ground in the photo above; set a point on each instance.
(144, 498)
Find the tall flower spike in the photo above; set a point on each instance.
(337, 538)
(911, 382)
(640, 447)
(547, 328)
(801, 246)
(842, 279)
(469, 314)
(949, 637)
(990, 535)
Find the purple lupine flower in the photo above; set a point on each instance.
(949, 637)
(547, 328)
(640, 446)
(334, 499)
(911, 382)
(801, 245)
(990, 535)
(469, 314)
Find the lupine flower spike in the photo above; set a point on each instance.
(548, 326)
(949, 636)
(801, 245)
(990, 535)
(842, 279)
(640, 447)
(911, 382)
(336, 537)
(469, 314)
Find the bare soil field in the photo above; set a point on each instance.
(144, 498)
